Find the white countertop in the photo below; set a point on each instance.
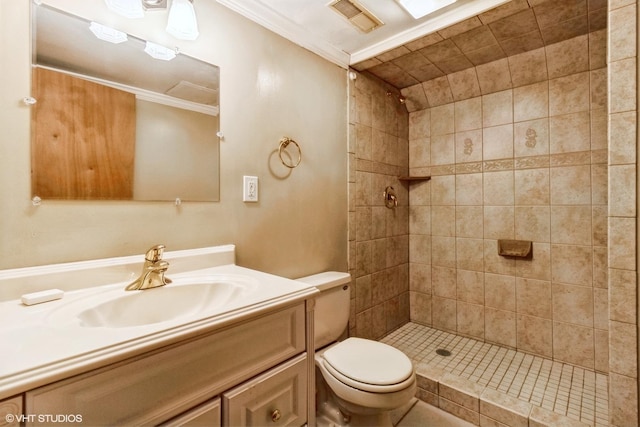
(38, 345)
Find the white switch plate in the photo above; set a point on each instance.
(250, 189)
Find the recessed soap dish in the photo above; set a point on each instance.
(514, 248)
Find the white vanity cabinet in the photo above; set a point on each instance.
(233, 374)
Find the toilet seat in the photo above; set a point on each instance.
(369, 365)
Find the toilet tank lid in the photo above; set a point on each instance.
(327, 279)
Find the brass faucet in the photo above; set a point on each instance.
(152, 271)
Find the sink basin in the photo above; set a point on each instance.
(183, 298)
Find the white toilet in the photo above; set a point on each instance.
(358, 381)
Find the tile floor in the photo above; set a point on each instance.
(558, 388)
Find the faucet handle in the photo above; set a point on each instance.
(154, 254)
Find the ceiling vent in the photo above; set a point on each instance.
(357, 15)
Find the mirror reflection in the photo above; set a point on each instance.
(111, 122)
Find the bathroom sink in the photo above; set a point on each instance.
(184, 298)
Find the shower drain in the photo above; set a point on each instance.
(443, 352)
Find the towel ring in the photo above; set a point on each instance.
(284, 143)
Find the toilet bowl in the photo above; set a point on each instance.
(358, 381)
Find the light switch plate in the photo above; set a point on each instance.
(250, 189)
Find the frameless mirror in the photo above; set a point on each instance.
(111, 122)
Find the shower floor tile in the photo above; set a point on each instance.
(574, 392)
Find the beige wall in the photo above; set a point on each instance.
(270, 88)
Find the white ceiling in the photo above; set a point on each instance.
(312, 24)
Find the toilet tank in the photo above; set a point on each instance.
(331, 313)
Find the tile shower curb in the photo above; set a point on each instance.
(481, 405)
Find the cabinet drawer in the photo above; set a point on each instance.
(154, 388)
(276, 398)
(206, 415)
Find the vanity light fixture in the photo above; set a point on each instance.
(159, 52)
(107, 33)
(182, 23)
(420, 8)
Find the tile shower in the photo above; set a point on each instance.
(517, 149)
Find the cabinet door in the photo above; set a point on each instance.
(205, 415)
(153, 388)
(276, 398)
(11, 412)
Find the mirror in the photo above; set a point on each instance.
(111, 122)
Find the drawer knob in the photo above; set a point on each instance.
(276, 415)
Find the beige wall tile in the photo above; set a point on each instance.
(464, 84)
(532, 187)
(573, 304)
(568, 57)
(571, 225)
(468, 146)
(468, 114)
(570, 185)
(533, 223)
(470, 319)
(570, 133)
(443, 252)
(469, 221)
(538, 266)
(500, 292)
(470, 254)
(442, 149)
(531, 102)
(443, 190)
(470, 286)
(443, 281)
(499, 222)
(468, 189)
(443, 221)
(622, 30)
(438, 91)
(601, 350)
(497, 108)
(622, 247)
(528, 67)
(531, 138)
(419, 220)
(535, 335)
(497, 142)
(622, 337)
(494, 76)
(498, 188)
(569, 94)
(534, 297)
(623, 400)
(444, 313)
(500, 327)
(622, 85)
(622, 191)
(599, 124)
(623, 295)
(572, 264)
(442, 119)
(420, 249)
(598, 49)
(622, 146)
(574, 344)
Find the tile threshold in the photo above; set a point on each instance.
(489, 385)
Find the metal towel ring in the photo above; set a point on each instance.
(284, 143)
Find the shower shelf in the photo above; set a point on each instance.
(414, 178)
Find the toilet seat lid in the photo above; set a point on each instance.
(369, 362)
